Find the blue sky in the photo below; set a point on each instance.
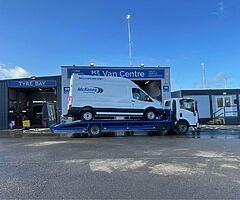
(37, 37)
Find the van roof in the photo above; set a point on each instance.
(101, 77)
(106, 79)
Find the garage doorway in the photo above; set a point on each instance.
(153, 88)
(27, 104)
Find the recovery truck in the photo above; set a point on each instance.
(179, 114)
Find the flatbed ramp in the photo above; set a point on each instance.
(95, 127)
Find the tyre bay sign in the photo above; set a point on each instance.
(32, 83)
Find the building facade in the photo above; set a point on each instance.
(215, 104)
(154, 80)
(23, 99)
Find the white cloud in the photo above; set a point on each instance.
(219, 80)
(219, 77)
(220, 9)
(13, 72)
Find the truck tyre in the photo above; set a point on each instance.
(150, 114)
(87, 115)
(94, 130)
(182, 127)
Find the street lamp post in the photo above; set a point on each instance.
(129, 40)
(203, 75)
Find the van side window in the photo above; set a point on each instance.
(140, 95)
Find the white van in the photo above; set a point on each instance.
(90, 96)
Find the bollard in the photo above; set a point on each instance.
(198, 132)
(195, 132)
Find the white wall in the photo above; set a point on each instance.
(203, 102)
(65, 83)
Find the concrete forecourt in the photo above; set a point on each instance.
(141, 167)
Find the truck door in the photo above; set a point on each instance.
(188, 110)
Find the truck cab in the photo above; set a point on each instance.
(184, 113)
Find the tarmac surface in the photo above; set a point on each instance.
(138, 167)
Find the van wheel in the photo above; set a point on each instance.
(182, 127)
(87, 115)
(150, 114)
(94, 130)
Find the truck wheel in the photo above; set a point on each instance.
(94, 131)
(150, 115)
(182, 127)
(87, 115)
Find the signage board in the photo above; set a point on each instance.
(165, 88)
(32, 83)
(131, 73)
(66, 90)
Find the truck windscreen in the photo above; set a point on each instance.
(187, 104)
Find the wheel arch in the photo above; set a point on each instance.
(184, 120)
(149, 108)
(146, 110)
(87, 108)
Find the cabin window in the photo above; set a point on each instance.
(187, 104)
(220, 102)
(140, 95)
(227, 102)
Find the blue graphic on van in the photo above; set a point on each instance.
(90, 90)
